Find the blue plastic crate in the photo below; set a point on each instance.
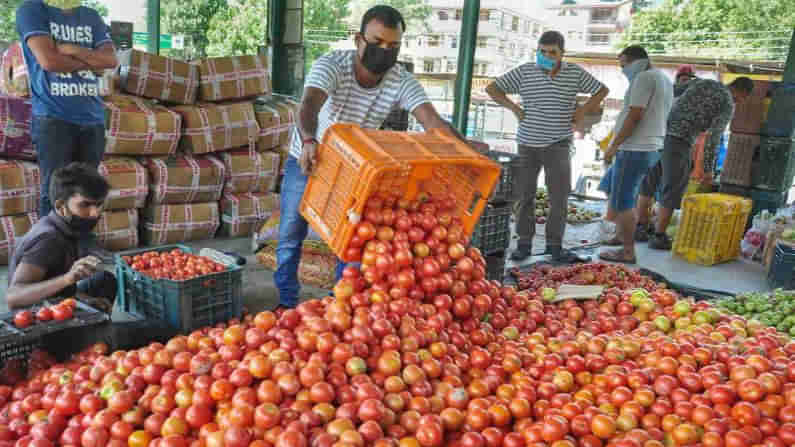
(185, 305)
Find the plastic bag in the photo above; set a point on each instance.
(753, 243)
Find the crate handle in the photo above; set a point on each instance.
(477, 197)
(353, 216)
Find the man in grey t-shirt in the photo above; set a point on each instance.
(639, 137)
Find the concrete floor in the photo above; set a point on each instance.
(259, 291)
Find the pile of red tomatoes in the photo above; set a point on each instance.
(418, 349)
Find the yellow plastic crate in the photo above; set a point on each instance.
(712, 227)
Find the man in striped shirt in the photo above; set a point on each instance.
(360, 86)
(548, 118)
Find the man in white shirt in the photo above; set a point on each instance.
(639, 137)
(360, 86)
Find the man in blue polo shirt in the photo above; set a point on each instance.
(65, 45)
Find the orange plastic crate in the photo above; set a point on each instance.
(354, 163)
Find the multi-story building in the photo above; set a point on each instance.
(505, 37)
(592, 25)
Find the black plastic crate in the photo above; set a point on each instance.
(185, 305)
(781, 116)
(782, 268)
(493, 231)
(767, 200)
(505, 191)
(735, 190)
(495, 267)
(774, 165)
(397, 120)
(83, 315)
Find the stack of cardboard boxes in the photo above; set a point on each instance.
(191, 148)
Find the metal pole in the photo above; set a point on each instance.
(789, 69)
(153, 25)
(466, 61)
(279, 69)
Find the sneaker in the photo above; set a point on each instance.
(660, 241)
(522, 252)
(562, 255)
(642, 232)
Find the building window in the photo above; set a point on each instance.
(602, 15)
(483, 41)
(527, 27)
(458, 14)
(536, 29)
(484, 15)
(599, 39)
(484, 68)
(434, 41)
(515, 24)
(451, 67)
(428, 66)
(442, 15)
(572, 35)
(453, 42)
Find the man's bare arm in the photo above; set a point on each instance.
(312, 102)
(502, 99)
(46, 53)
(101, 58)
(427, 115)
(28, 287)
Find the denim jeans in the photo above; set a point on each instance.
(59, 143)
(293, 229)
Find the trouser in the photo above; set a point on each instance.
(59, 143)
(556, 161)
(293, 229)
(671, 174)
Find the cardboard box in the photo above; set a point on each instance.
(137, 126)
(129, 183)
(12, 228)
(233, 77)
(249, 171)
(20, 184)
(14, 79)
(275, 118)
(218, 127)
(171, 224)
(118, 230)
(243, 214)
(159, 77)
(185, 179)
(15, 121)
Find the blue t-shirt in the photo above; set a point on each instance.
(72, 97)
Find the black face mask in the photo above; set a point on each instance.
(81, 225)
(379, 60)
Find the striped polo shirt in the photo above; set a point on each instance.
(549, 103)
(349, 102)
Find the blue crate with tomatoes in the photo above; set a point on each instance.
(172, 284)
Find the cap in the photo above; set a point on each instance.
(685, 70)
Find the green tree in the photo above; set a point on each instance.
(733, 29)
(324, 22)
(8, 20)
(238, 29)
(97, 5)
(191, 18)
(415, 12)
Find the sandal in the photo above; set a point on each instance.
(616, 256)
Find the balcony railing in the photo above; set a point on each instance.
(603, 21)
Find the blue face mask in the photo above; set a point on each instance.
(632, 70)
(545, 62)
